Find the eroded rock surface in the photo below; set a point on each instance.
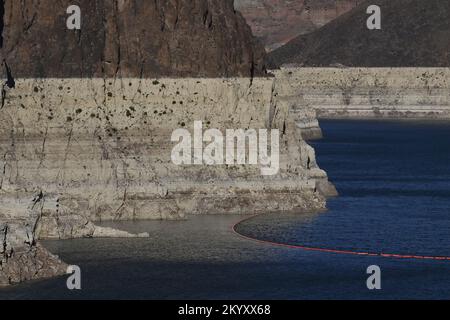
(29, 263)
(86, 119)
(71, 147)
(146, 38)
(361, 93)
(100, 149)
(21, 258)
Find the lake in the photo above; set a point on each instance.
(394, 185)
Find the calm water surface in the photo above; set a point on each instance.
(394, 184)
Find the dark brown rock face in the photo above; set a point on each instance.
(415, 33)
(145, 38)
(31, 263)
(276, 22)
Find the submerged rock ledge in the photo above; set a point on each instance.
(77, 151)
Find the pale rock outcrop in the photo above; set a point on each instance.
(21, 258)
(85, 134)
(381, 93)
(100, 149)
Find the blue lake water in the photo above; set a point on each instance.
(394, 185)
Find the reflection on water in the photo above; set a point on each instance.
(394, 184)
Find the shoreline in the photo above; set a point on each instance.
(333, 251)
(387, 119)
(347, 93)
(89, 150)
(104, 154)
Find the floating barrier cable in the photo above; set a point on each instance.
(335, 251)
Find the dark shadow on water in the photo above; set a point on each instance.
(394, 185)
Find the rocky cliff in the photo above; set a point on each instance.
(414, 33)
(276, 22)
(86, 120)
(92, 151)
(147, 38)
(361, 93)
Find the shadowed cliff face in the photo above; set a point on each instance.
(276, 22)
(146, 38)
(415, 33)
(77, 151)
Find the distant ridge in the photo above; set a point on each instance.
(276, 22)
(415, 33)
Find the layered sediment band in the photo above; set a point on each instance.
(100, 149)
(359, 93)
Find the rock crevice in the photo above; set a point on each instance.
(86, 122)
(101, 150)
(198, 38)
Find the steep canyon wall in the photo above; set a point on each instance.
(79, 142)
(383, 93)
(86, 119)
(124, 38)
(77, 151)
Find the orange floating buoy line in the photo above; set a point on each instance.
(336, 251)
